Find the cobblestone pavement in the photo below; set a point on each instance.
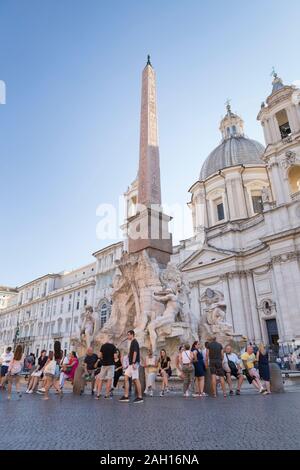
(249, 421)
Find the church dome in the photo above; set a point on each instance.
(235, 148)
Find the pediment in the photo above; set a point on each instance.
(206, 255)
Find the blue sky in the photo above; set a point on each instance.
(69, 131)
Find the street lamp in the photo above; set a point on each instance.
(16, 334)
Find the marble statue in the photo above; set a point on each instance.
(213, 323)
(266, 195)
(176, 319)
(164, 322)
(88, 327)
(133, 305)
(153, 301)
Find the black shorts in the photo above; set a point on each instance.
(216, 368)
(235, 374)
(4, 370)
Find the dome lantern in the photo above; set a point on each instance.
(231, 124)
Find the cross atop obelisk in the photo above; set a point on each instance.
(149, 191)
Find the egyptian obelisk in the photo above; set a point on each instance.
(148, 229)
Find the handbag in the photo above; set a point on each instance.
(233, 368)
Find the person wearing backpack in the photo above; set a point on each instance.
(231, 365)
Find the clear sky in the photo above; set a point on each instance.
(69, 131)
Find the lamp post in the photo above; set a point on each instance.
(16, 335)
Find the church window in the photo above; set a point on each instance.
(283, 123)
(233, 130)
(220, 209)
(294, 179)
(257, 202)
(105, 310)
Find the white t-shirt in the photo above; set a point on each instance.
(231, 357)
(187, 357)
(15, 366)
(50, 367)
(6, 358)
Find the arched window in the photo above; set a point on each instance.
(105, 309)
(283, 123)
(294, 179)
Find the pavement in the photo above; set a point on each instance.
(249, 421)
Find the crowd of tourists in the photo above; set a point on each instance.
(193, 364)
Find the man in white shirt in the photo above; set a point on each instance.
(6, 357)
(232, 367)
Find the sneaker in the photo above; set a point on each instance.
(27, 391)
(238, 392)
(187, 394)
(262, 390)
(30, 391)
(231, 392)
(167, 390)
(108, 397)
(42, 390)
(162, 393)
(196, 395)
(151, 393)
(203, 394)
(97, 397)
(124, 399)
(138, 400)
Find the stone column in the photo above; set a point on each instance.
(258, 336)
(237, 304)
(195, 305)
(266, 132)
(276, 137)
(292, 117)
(281, 301)
(247, 306)
(277, 182)
(227, 298)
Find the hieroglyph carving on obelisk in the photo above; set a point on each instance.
(149, 191)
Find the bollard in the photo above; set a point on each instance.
(276, 379)
(79, 382)
(142, 378)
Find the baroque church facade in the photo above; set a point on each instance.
(245, 207)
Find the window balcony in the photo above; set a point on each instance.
(57, 334)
